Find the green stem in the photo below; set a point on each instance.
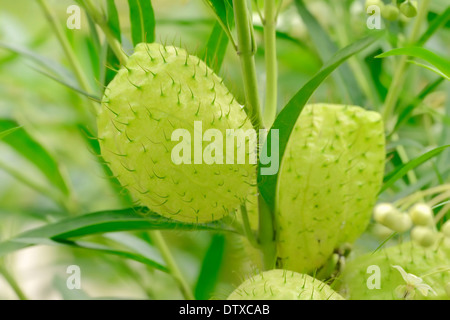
(266, 236)
(246, 52)
(399, 75)
(12, 282)
(102, 22)
(78, 70)
(397, 85)
(401, 151)
(161, 244)
(355, 64)
(270, 21)
(247, 228)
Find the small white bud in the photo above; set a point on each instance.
(424, 236)
(382, 210)
(421, 214)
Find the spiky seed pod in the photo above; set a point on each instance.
(161, 89)
(411, 257)
(424, 236)
(446, 229)
(283, 285)
(328, 182)
(421, 214)
(409, 8)
(390, 12)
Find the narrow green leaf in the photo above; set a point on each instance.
(142, 20)
(437, 23)
(398, 173)
(406, 112)
(70, 85)
(209, 273)
(440, 63)
(431, 68)
(345, 79)
(287, 118)
(91, 246)
(34, 152)
(112, 61)
(103, 222)
(216, 48)
(42, 61)
(223, 11)
(8, 132)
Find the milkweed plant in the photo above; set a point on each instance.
(225, 149)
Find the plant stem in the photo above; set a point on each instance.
(246, 50)
(441, 214)
(247, 228)
(101, 21)
(270, 22)
(398, 79)
(78, 70)
(397, 85)
(12, 282)
(266, 236)
(161, 244)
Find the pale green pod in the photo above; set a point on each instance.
(162, 89)
(409, 8)
(372, 276)
(283, 285)
(328, 183)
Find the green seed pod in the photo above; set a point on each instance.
(283, 285)
(421, 214)
(162, 89)
(390, 12)
(446, 229)
(328, 182)
(409, 8)
(424, 236)
(376, 268)
(398, 222)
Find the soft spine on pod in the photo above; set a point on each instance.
(161, 89)
(328, 182)
(280, 284)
